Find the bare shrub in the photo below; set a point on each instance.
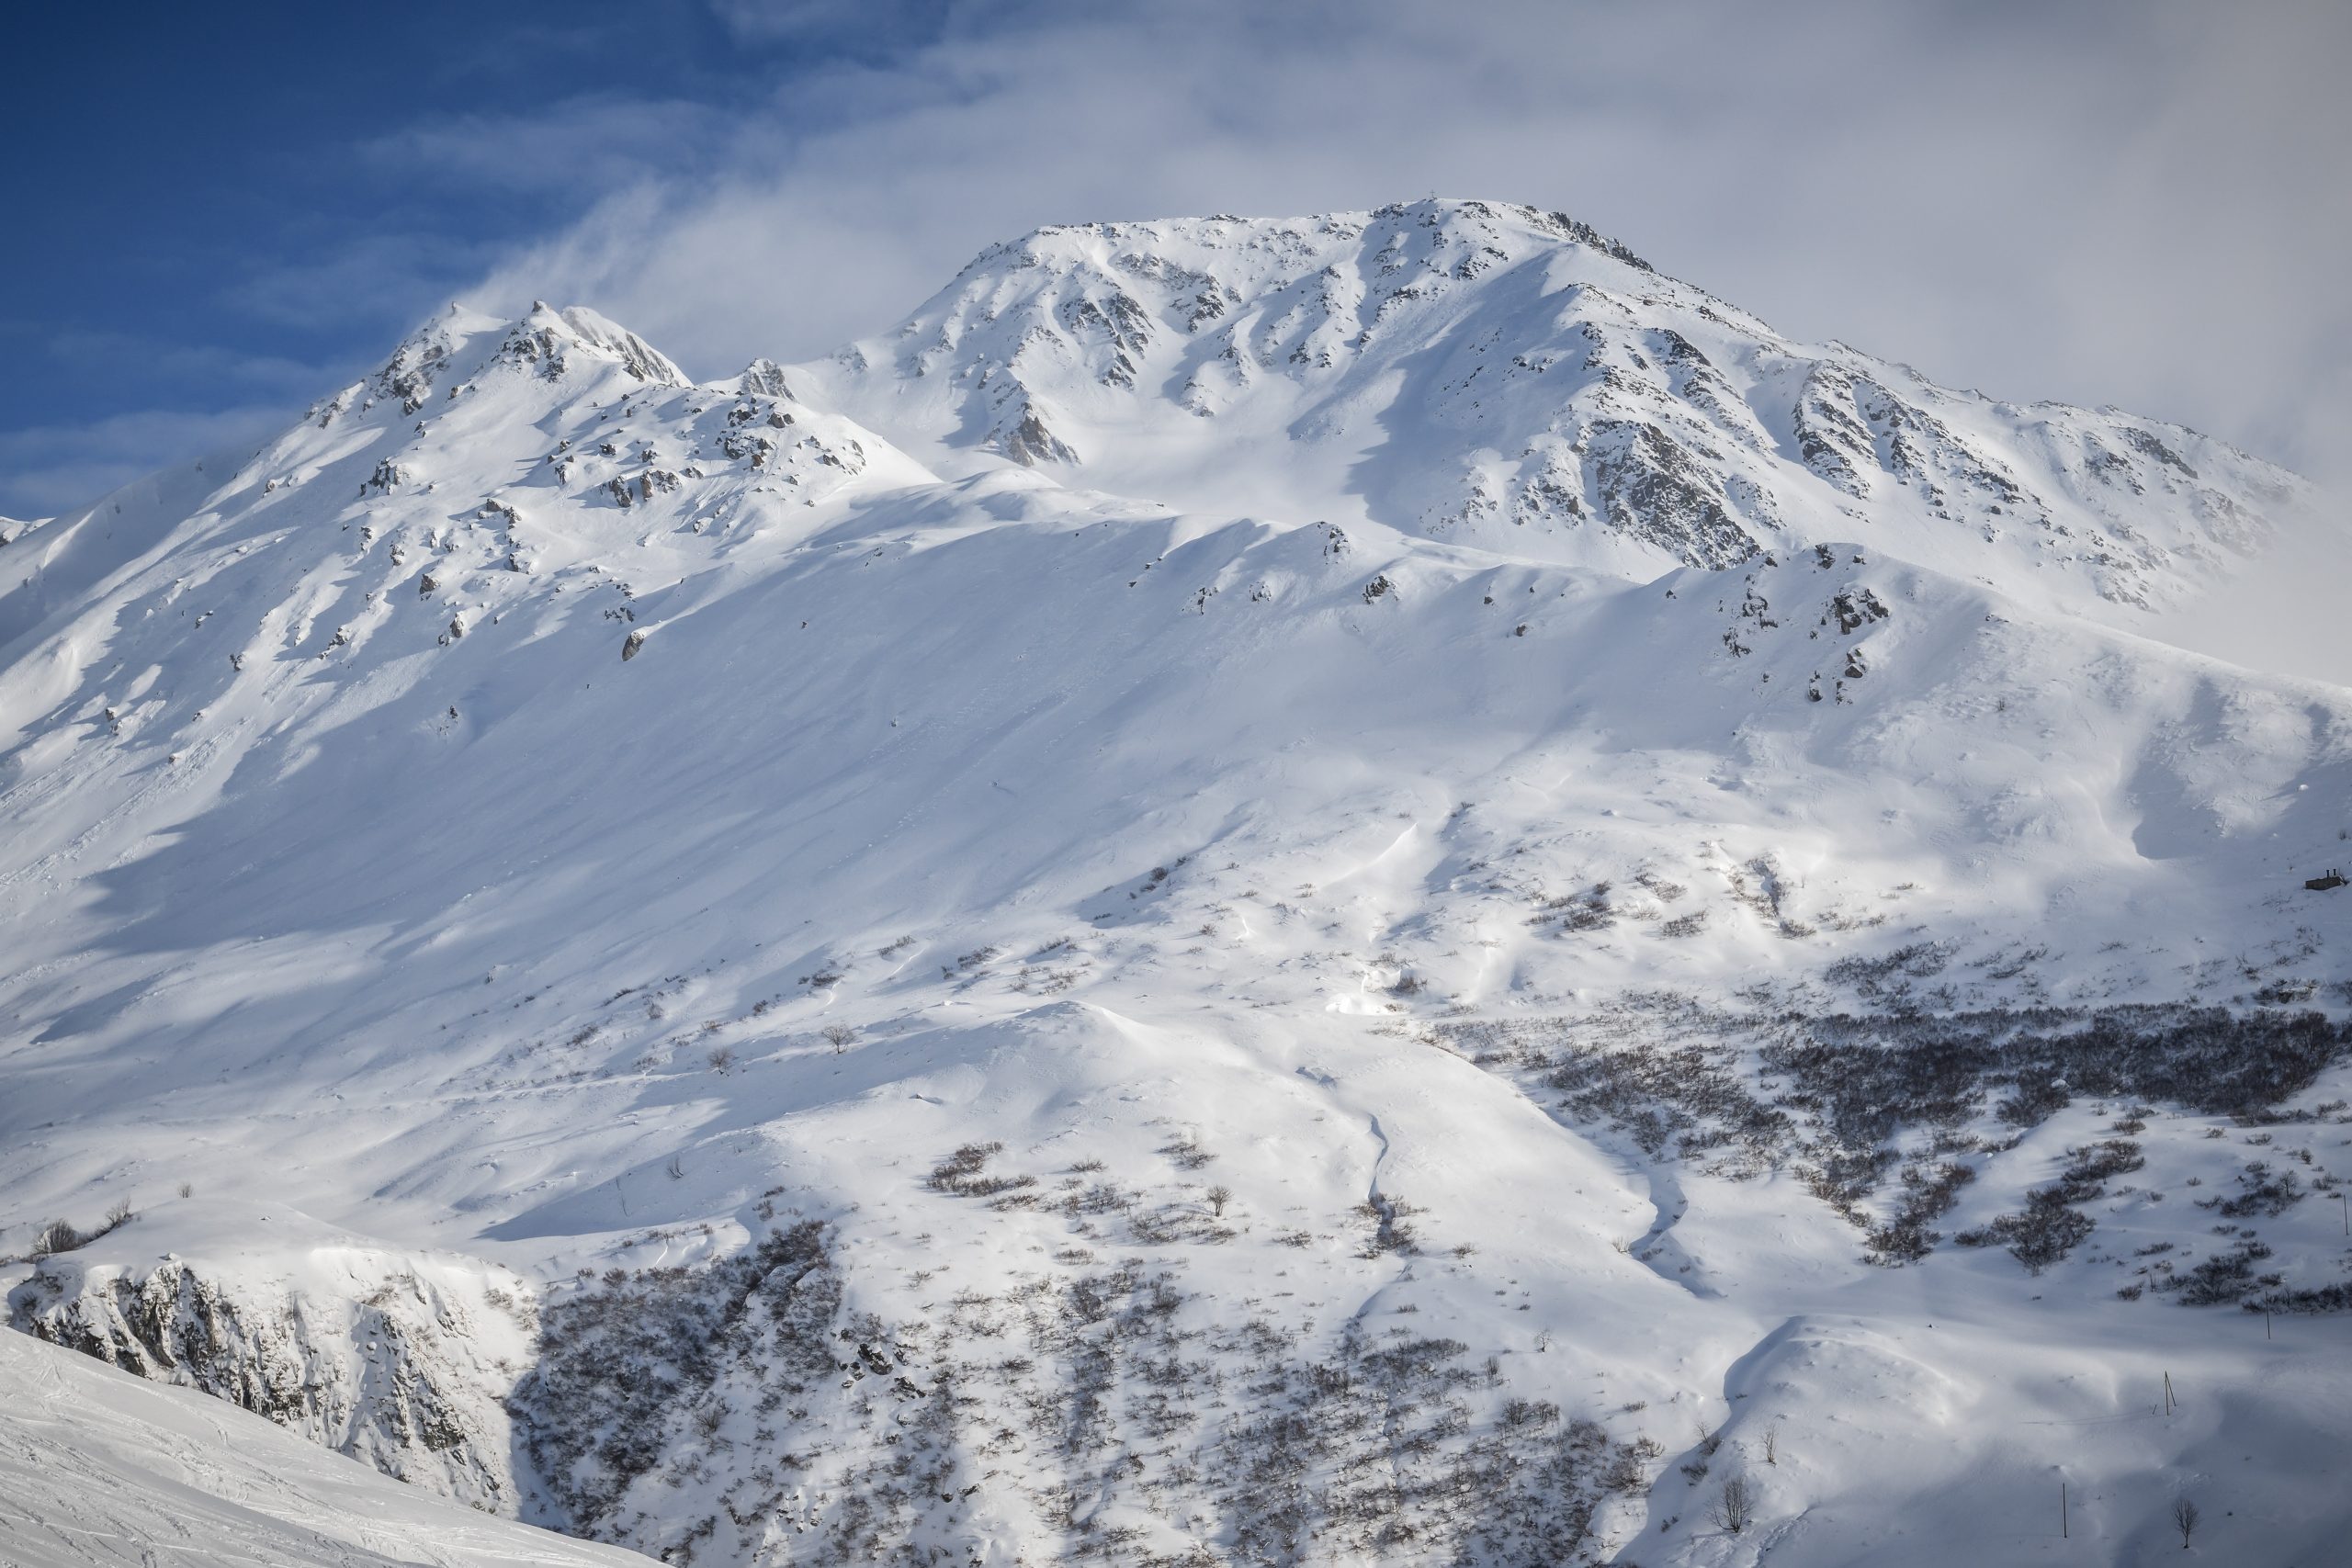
(58, 1236)
(64, 1235)
(1736, 1509)
(2046, 1232)
(628, 1363)
(1927, 1194)
(1187, 1153)
(961, 1173)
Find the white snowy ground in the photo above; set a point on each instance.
(99, 1467)
(441, 842)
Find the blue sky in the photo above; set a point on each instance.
(225, 211)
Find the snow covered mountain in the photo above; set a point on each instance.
(1371, 887)
(1509, 379)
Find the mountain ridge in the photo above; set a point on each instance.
(1009, 1014)
(1661, 446)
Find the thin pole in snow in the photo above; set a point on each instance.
(2063, 1532)
(2169, 1400)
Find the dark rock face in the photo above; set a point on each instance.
(1653, 490)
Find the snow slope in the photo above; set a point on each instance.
(396, 1357)
(1041, 941)
(103, 1468)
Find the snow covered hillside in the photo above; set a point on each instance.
(97, 1467)
(1367, 888)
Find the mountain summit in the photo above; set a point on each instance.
(1511, 380)
(1378, 888)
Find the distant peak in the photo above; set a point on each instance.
(442, 351)
(763, 378)
(1441, 213)
(548, 336)
(1438, 211)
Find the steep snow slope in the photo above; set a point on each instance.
(101, 1468)
(400, 1359)
(1509, 378)
(1022, 1021)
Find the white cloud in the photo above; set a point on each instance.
(594, 141)
(46, 469)
(2118, 201)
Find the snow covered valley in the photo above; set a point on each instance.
(1375, 888)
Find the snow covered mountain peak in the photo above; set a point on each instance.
(446, 353)
(548, 338)
(1515, 382)
(1457, 239)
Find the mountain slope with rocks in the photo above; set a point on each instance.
(1376, 888)
(1510, 380)
(103, 1468)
